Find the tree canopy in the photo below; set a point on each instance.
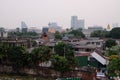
(110, 42)
(77, 33)
(25, 34)
(60, 63)
(114, 65)
(41, 54)
(115, 33)
(100, 33)
(66, 51)
(58, 35)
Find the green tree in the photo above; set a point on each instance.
(110, 42)
(41, 54)
(114, 66)
(16, 55)
(77, 33)
(34, 43)
(100, 33)
(115, 50)
(115, 33)
(66, 51)
(58, 35)
(25, 34)
(60, 63)
(60, 48)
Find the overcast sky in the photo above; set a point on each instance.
(39, 13)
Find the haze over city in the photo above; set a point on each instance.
(38, 13)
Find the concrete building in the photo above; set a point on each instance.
(95, 27)
(81, 23)
(3, 32)
(55, 26)
(74, 21)
(26, 42)
(88, 31)
(45, 29)
(24, 27)
(77, 23)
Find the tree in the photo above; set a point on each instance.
(110, 42)
(57, 35)
(115, 50)
(77, 33)
(115, 33)
(16, 55)
(41, 54)
(60, 63)
(60, 48)
(34, 43)
(114, 66)
(66, 51)
(100, 33)
(25, 34)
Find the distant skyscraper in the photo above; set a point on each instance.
(74, 22)
(77, 23)
(23, 26)
(81, 23)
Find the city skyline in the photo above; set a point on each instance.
(38, 13)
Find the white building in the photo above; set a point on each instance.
(74, 21)
(77, 23)
(88, 31)
(24, 26)
(3, 34)
(81, 23)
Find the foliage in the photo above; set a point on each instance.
(58, 35)
(18, 56)
(60, 48)
(41, 54)
(114, 50)
(100, 33)
(113, 56)
(26, 34)
(60, 63)
(115, 33)
(34, 43)
(66, 51)
(14, 56)
(110, 52)
(77, 33)
(114, 66)
(110, 42)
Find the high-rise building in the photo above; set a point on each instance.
(81, 23)
(24, 27)
(77, 23)
(74, 22)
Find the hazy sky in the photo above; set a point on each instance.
(39, 13)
